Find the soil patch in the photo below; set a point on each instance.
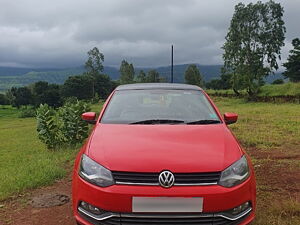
(32, 207)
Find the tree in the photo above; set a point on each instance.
(21, 96)
(94, 64)
(45, 93)
(215, 84)
(141, 77)
(192, 76)
(226, 81)
(103, 85)
(127, 73)
(253, 44)
(3, 100)
(80, 86)
(9, 95)
(293, 62)
(52, 95)
(152, 77)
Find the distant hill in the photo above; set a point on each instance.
(11, 76)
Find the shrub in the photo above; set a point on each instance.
(71, 100)
(95, 99)
(3, 100)
(63, 126)
(278, 81)
(27, 112)
(47, 126)
(74, 129)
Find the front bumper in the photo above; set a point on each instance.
(117, 203)
(87, 218)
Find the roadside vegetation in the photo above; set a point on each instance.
(25, 162)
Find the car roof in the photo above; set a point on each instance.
(167, 86)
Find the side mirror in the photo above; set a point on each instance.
(89, 117)
(230, 118)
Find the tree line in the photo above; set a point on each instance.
(91, 85)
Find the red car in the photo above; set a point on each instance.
(162, 154)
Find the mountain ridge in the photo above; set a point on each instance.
(14, 76)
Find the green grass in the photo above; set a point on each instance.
(25, 163)
(287, 89)
(263, 125)
(6, 111)
(228, 91)
(266, 130)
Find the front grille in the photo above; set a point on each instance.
(165, 219)
(168, 219)
(183, 179)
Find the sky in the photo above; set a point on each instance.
(58, 33)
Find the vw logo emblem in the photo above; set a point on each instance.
(166, 179)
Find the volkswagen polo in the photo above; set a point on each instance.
(162, 154)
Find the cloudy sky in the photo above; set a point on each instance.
(58, 33)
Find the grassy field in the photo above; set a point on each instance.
(264, 125)
(287, 89)
(25, 163)
(268, 132)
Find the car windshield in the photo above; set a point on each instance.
(159, 107)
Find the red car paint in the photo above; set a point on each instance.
(154, 148)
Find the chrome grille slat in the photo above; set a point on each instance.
(181, 179)
(157, 219)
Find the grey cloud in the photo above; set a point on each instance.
(58, 33)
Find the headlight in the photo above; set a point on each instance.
(235, 174)
(95, 173)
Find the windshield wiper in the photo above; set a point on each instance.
(158, 121)
(204, 122)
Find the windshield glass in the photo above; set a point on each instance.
(159, 106)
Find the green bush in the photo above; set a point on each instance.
(27, 112)
(48, 126)
(278, 81)
(63, 126)
(74, 129)
(72, 100)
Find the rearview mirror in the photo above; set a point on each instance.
(89, 117)
(230, 118)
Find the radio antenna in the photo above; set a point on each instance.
(172, 79)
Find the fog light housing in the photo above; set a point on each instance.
(241, 208)
(90, 208)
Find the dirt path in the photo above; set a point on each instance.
(19, 211)
(277, 172)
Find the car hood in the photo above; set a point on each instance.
(153, 148)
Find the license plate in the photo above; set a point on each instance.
(167, 204)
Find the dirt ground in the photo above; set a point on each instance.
(19, 211)
(276, 172)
